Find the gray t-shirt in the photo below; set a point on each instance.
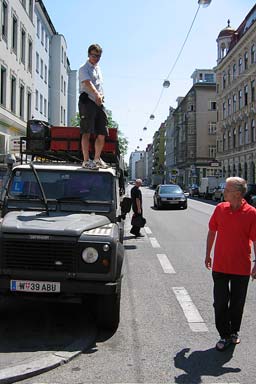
(90, 72)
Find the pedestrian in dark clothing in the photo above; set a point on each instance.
(234, 222)
(136, 197)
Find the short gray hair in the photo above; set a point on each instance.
(238, 183)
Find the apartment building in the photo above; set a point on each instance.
(17, 69)
(191, 132)
(134, 157)
(236, 100)
(36, 80)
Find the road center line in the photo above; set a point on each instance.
(165, 263)
(154, 242)
(191, 313)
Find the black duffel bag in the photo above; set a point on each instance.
(138, 221)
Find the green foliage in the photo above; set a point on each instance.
(123, 142)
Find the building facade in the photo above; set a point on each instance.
(236, 100)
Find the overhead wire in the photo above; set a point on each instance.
(174, 64)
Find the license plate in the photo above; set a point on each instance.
(34, 286)
(173, 201)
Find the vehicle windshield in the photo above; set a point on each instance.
(166, 189)
(61, 185)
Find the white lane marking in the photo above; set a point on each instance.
(147, 230)
(165, 263)
(191, 313)
(154, 242)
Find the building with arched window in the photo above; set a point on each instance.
(236, 102)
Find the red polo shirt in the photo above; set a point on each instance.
(235, 232)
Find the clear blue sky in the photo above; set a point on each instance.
(141, 40)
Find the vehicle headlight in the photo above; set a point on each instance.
(90, 255)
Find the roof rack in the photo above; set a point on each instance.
(52, 143)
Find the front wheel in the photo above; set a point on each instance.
(107, 311)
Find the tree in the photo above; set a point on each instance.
(123, 142)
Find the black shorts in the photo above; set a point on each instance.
(93, 118)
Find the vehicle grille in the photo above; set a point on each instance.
(39, 255)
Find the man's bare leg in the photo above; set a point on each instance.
(99, 144)
(85, 145)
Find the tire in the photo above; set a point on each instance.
(158, 205)
(107, 311)
(154, 204)
(185, 206)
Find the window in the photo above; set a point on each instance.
(23, 2)
(246, 95)
(65, 59)
(21, 101)
(246, 60)
(209, 77)
(224, 80)
(45, 74)
(62, 53)
(14, 34)
(13, 94)
(61, 114)
(45, 103)
(224, 110)
(41, 68)
(240, 133)
(240, 99)
(234, 71)
(253, 136)
(37, 62)
(36, 106)
(240, 65)
(229, 76)
(234, 137)
(30, 9)
(212, 151)
(61, 83)
(64, 88)
(229, 140)
(41, 103)
(42, 35)
(229, 106)
(234, 103)
(64, 116)
(246, 134)
(29, 96)
(38, 28)
(212, 105)
(253, 90)
(253, 54)
(212, 128)
(30, 52)
(3, 86)
(46, 42)
(23, 46)
(4, 20)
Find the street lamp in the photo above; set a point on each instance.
(145, 128)
(152, 117)
(166, 84)
(204, 3)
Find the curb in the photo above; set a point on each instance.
(47, 362)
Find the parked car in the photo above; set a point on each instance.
(169, 195)
(194, 190)
(250, 195)
(218, 193)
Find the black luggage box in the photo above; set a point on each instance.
(38, 135)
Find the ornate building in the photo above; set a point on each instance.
(236, 101)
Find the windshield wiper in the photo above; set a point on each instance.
(41, 187)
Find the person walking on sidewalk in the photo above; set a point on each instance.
(136, 197)
(234, 222)
(93, 118)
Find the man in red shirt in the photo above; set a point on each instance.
(234, 222)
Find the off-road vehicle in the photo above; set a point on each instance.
(61, 231)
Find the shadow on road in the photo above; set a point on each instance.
(202, 363)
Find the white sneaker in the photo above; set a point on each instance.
(86, 164)
(101, 164)
(94, 165)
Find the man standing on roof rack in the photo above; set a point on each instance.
(93, 118)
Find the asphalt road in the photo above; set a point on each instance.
(167, 332)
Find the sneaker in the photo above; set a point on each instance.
(101, 164)
(93, 165)
(86, 164)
